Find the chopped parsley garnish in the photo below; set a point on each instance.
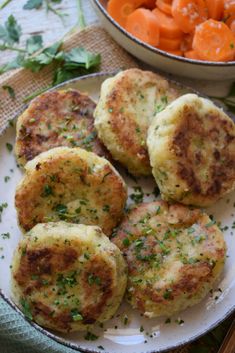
(92, 279)
(64, 281)
(106, 208)
(61, 210)
(7, 178)
(211, 223)
(126, 242)
(2, 207)
(138, 195)
(5, 235)
(76, 316)
(10, 91)
(167, 294)
(90, 336)
(9, 147)
(47, 191)
(26, 309)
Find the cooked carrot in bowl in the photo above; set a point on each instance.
(195, 29)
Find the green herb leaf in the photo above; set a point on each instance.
(10, 91)
(90, 336)
(33, 44)
(92, 279)
(9, 146)
(80, 57)
(46, 57)
(26, 309)
(33, 4)
(14, 64)
(47, 191)
(11, 32)
(76, 316)
(2, 206)
(4, 4)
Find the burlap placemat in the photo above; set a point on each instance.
(24, 82)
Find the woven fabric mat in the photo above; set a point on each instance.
(24, 82)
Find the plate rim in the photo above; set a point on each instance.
(63, 341)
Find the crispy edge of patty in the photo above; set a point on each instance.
(62, 256)
(117, 126)
(193, 279)
(51, 110)
(181, 170)
(32, 205)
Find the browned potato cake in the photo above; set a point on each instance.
(58, 118)
(128, 102)
(174, 256)
(67, 277)
(192, 151)
(70, 184)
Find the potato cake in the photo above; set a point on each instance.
(128, 101)
(174, 256)
(192, 151)
(67, 277)
(57, 118)
(73, 185)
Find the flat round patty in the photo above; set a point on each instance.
(128, 102)
(58, 118)
(67, 277)
(70, 184)
(192, 151)
(174, 256)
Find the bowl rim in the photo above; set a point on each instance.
(163, 53)
(76, 346)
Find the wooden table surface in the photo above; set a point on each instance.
(48, 25)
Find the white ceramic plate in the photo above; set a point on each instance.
(116, 337)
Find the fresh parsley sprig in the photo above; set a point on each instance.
(10, 32)
(4, 4)
(37, 4)
(67, 65)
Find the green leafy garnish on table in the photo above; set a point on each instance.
(33, 44)
(37, 4)
(67, 65)
(4, 4)
(10, 91)
(26, 309)
(10, 32)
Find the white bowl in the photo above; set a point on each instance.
(205, 70)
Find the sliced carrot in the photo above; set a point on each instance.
(187, 42)
(214, 41)
(143, 25)
(167, 25)
(229, 8)
(215, 9)
(120, 9)
(189, 13)
(164, 6)
(232, 26)
(175, 52)
(191, 54)
(169, 44)
(229, 20)
(150, 4)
